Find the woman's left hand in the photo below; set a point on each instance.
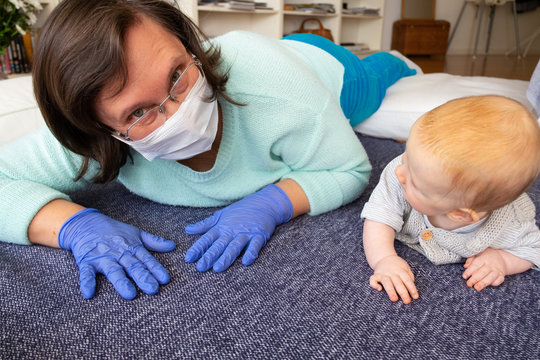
(246, 224)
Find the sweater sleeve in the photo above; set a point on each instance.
(386, 204)
(327, 160)
(521, 236)
(34, 170)
(529, 246)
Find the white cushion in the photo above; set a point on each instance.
(412, 96)
(19, 113)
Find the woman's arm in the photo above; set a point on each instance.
(46, 225)
(34, 172)
(297, 196)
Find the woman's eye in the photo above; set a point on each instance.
(175, 76)
(137, 113)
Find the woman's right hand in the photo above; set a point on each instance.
(395, 275)
(103, 245)
(246, 224)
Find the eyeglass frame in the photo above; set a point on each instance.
(195, 62)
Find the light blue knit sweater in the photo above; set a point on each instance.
(291, 127)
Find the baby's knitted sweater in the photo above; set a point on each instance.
(512, 227)
(291, 126)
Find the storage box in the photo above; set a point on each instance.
(420, 36)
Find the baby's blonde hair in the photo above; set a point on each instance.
(489, 146)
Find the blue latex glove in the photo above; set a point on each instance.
(246, 224)
(103, 245)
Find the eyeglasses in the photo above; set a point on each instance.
(150, 118)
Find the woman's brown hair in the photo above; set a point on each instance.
(80, 51)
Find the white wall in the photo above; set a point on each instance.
(47, 6)
(502, 35)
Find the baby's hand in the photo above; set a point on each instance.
(395, 275)
(485, 269)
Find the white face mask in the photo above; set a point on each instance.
(191, 130)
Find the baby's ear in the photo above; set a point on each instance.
(464, 215)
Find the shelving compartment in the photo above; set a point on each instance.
(363, 28)
(215, 21)
(293, 21)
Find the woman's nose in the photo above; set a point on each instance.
(169, 107)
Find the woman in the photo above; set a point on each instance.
(135, 93)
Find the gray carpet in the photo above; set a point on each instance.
(306, 297)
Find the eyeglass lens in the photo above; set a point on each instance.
(178, 93)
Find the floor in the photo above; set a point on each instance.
(508, 67)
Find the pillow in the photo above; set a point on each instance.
(410, 97)
(19, 113)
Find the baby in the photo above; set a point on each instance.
(458, 193)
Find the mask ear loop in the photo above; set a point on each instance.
(118, 133)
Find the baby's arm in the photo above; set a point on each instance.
(390, 271)
(489, 268)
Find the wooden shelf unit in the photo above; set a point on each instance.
(349, 28)
(217, 20)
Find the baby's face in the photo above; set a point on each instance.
(423, 182)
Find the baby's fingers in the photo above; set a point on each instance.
(402, 289)
(475, 276)
(492, 278)
(471, 267)
(483, 277)
(411, 288)
(395, 287)
(375, 282)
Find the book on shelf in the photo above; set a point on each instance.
(262, 6)
(6, 66)
(241, 5)
(311, 8)
(355, 47)
(28, 45)
(21, 49)
(246, 5)
(10, 61)
(14, 58)
(211, 3)
(362, 10)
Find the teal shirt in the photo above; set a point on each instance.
(291, 126)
